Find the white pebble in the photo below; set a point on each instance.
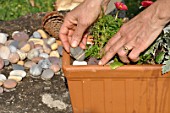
(76, 63)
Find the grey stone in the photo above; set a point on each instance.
(77, 53)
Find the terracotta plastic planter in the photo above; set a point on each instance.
(128, 89)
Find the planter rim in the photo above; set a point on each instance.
(136, 70)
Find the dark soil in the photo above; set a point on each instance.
(33, 95)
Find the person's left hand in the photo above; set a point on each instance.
(136, 35)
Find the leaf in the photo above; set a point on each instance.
(159, 58)
(116, 64)
(166, 67)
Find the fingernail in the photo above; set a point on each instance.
(74, 44)
(100, 63)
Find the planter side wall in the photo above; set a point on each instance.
(135, 95)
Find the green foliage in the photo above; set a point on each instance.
(102, 31)
(12, 9)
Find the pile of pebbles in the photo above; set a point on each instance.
(38, 55)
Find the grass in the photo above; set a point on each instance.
(12, 9)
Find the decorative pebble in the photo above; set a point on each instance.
(8, 42)
(12, 48)
(21, 36)
(4, 52)
(1, 63)
(92, 61)
(51, 40)
(42, 33)
(13, 57)
(55, 60)
(3, 38)
(14, 43)
(15, 77)
(36, 41)
(20, 62)
(9, 83)
(40, 49)
(35, 70)
(75, 63)
(17, 67)
(36, 35)
(45, 63)
(1, 83)
(31, 44)
(44, 55)
(77, 53)
(46, 48)
(21, 73)
(55, 68)
(54, 46)
(54, 54)
(60, 50)
(29, 64)
(22, 54)
(47, 74)
(37, 59)
(6, 62)
(15, 32)
(1, 90)
(26, 48)
(2, 77)
(33, 53)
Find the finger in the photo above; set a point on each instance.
(64, 38)
(77, 36)
(112, 51)
(83, 42)
(112, 41)
(122, 53)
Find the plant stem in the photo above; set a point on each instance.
(117, 13)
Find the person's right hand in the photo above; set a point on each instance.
(76, 22)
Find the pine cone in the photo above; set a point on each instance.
(52, 22)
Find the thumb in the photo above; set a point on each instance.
(78, 34)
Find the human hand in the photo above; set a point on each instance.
(77, 21)
(138, 34)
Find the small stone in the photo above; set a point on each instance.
(3, 38)
(55, 68)
(35, 70)
(6, 62)
(51, 41)
(55, 60)
(44, 63)
(21, 73)
(54, 54)
(15, 32)
(36, 41)
(15, 77)
(1, 83)
(42, 33)
(4, 52)
(93, 61)
(21, 36)
(40, 49)
(13, 57)
(31, 44)
(26, 48)
(47, 74)
(9, 83)
(76, 63)
(38, 46)
(12, 48)
(1, 63)
(77, 53)
(8, 42)
(60, 50)
(29, 64)
(1, 90)
(20, 62)
(33, 53)
(54, 46)
(46, 48)
(22, 54)
(14, 43)
(44, 55)
(59, 42)
(37, 59)
(2, 77)
(36, 35)
(17, 67)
